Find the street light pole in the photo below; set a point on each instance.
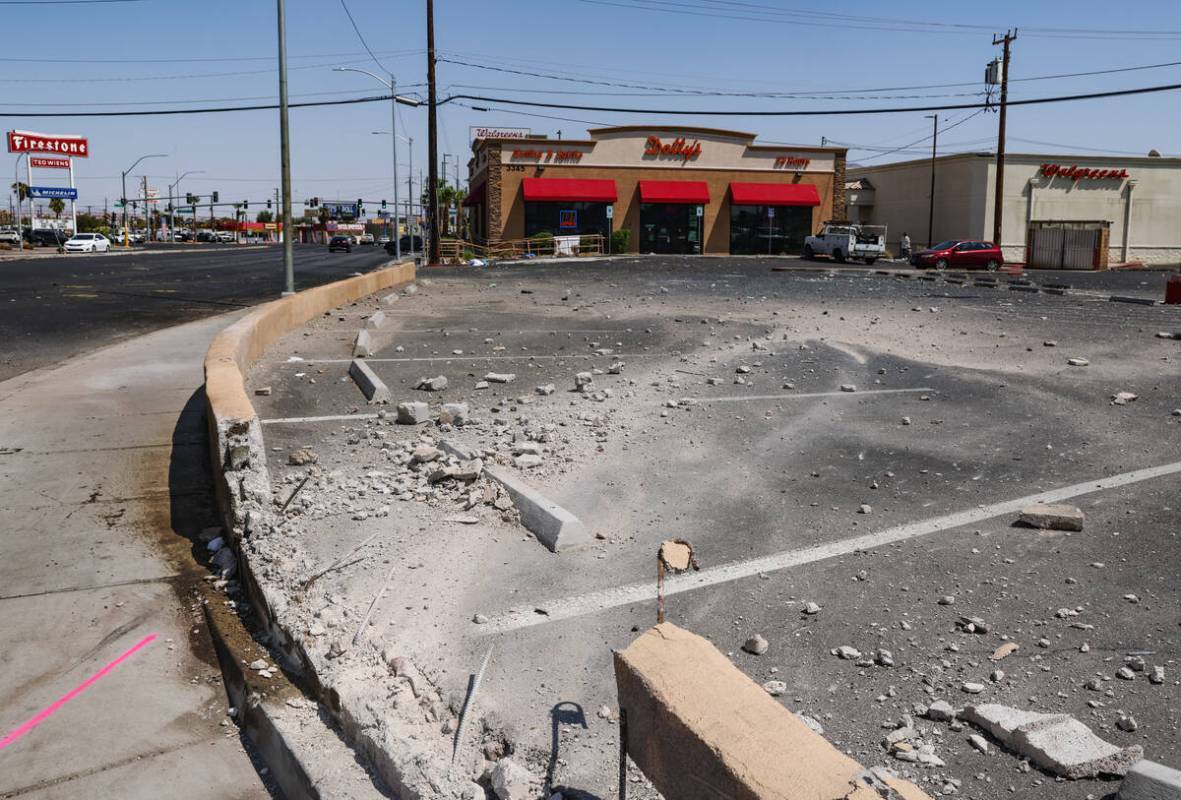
(172, 204)
(126, 243)
(285, 155)
(432, 135)
(16, 187)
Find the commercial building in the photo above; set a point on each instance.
(678, 190)
(1082, 212)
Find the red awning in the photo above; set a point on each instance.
(476, 195)
(583, 190)
(694, 192)
(774, 194)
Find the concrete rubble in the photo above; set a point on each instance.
(1058, 743)
(1056, 517)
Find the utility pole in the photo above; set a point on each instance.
(285, 155)
(432, 135)
(931, 208)
(999, 190)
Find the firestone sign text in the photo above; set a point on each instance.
(63, 144)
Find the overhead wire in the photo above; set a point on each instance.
(364, 44)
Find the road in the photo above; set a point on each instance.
(59, 307)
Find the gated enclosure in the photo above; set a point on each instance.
(1068, 245)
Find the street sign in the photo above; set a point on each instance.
(770, 212)
(701, 211)
(610, 212)
(61, 192)
(50, 163)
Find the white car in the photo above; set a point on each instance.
(9, 237)
(88, 243)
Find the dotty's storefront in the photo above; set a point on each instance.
(678, 190)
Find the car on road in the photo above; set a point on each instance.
(87, 243)
(225, 237)
(960, 254)
(344, 243)
(9, 237)
(365, 238)
(405, 243)
(46, 237)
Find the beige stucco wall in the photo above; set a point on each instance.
(965, 210)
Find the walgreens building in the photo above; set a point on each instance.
(678, 190)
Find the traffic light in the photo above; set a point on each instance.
(268, 204)
(245, 204)
(360, 207)
(383, 205)
(213, 199)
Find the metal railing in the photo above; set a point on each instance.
(459, 251)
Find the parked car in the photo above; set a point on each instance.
(206, 236)
(383, 241)
(405, 244)
(87, 243)
(842, 241)
(9, 237)
(46, 237)
(225, 237)
(344, 243)
(132, 237)
(960, 254)
(365, 238)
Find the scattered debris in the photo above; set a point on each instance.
(413, 413)
(436, 384)
(1056, 517)
(301, 457)
(1123, 398)
(1006, 649)
(500, 377)
(756, 645)
(1078, 362)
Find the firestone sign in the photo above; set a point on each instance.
(1076, 173)
(63, 144)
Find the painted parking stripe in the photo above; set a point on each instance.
(802, 395)
(474, 357)
(592, 602)
(332, 418)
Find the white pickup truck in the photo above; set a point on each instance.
(842, 241)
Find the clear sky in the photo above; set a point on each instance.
(162, 54)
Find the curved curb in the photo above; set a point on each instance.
(242, 484)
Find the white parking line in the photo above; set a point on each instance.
(801, 395)
(477, 357)
(592, 602)
(332, 418)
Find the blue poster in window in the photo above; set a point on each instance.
(568, 219)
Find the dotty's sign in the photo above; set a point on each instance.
(63, 144)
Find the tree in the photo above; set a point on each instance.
(265, 216)
(57, 206)
(447, 197)
(22, 190)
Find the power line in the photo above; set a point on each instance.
(136, 78)
(173, 101)
(62, 2)
(946, 128)
(386, 53)
(185, 111)
(364, 44)
(821, 112)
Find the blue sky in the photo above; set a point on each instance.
(169, 53)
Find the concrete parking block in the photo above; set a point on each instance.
(362, 345)
(554, 526)
(1148, 780)
(371, 386)
(1142, 301)
(375, 320)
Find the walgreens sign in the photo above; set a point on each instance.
(62, 144)
(1077, 173)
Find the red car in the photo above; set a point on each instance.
(960, 254)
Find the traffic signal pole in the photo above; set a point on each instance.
(999, 191)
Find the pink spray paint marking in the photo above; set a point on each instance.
(53, 707)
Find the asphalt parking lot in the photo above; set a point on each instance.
(844, 438)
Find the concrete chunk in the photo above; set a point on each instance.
(376, 320)
(436, 384)
(500, 377)
(1058, 743)
(694, 720)
(1148, 780)
(1055, 517)
(362, 345)
(414, 413)
(371, 386)
(554, 526)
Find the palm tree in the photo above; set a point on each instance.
(22, 190)
(57, 206)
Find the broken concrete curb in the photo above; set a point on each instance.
(362, 345)
(371, 386)
(554, 526)
(1148, 780)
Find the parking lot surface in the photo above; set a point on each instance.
(846, 438)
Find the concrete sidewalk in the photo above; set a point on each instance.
(102, 480)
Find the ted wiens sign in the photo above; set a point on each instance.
(63, 144)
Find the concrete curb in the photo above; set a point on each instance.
(371, 386)
(1143, 301)
(240, 476)
(554, 526)
(363, 344)
(1148, 780)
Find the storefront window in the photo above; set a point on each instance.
(670, 228)
(566, 218)
(769, 230)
